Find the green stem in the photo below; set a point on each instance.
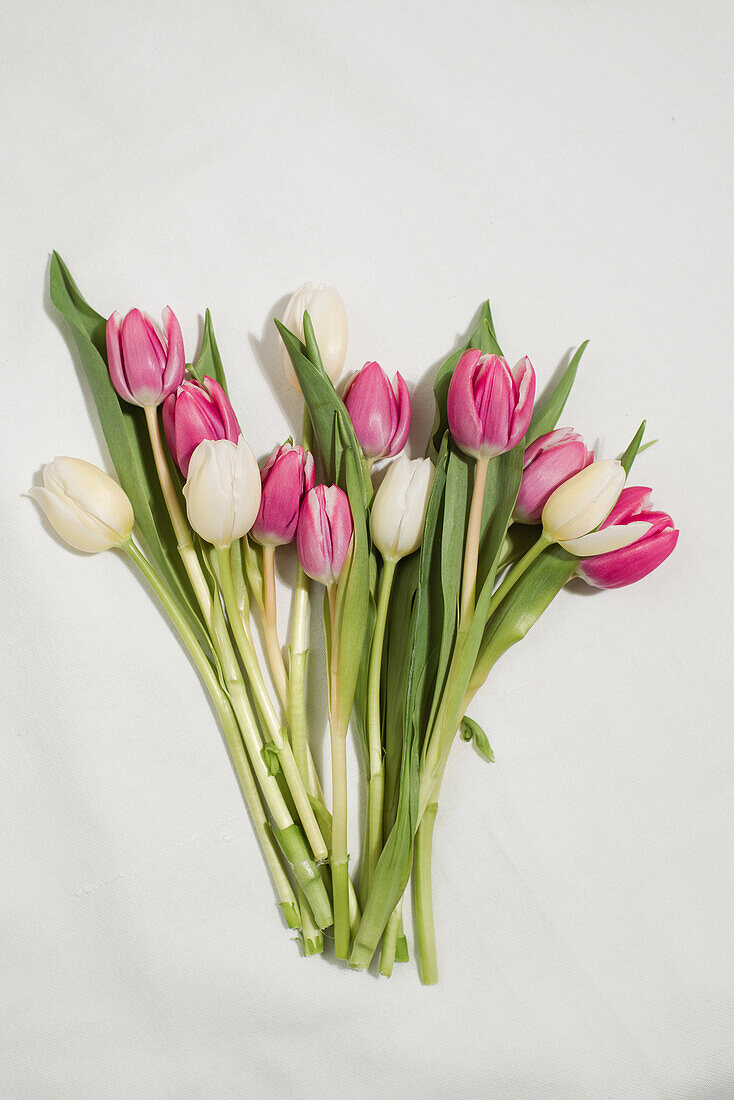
(517, 571)
(339, 849)
(285, 753)
(390, 940)
(423, 896)
(179, 523)
(376, 778)
(270, 626)
(232, 736)
(473, 534)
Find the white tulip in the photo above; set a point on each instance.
(84, 505)
(222, 490)
(399, 509)
(329, 319)
(579, 505)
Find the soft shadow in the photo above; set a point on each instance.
(577, 587)
(266, 349)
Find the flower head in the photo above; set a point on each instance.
(84, 505)
(489, 403)
(145, 365)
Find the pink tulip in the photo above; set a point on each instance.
(194, 413)
(489, 403)
(548, 462)
(286, 477)
(144, 365)
(621, 567)
(380, 415)
(324, 532)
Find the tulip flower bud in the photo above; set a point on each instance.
(286, 476)
(325, 307)
(84, 505)
(490, 404)
(381, 418)
(196, 412)
(631, 563)
(399, 509)
(548, 462)
(324, 533)
(144, 365)
(577, 507)
(222, 491)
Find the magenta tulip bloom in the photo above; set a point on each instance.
(194, 413)
(145, 366)
(489, 403)
(621, 567)
(324, 532)
(548, 462)
(286, 477)
(380, 414)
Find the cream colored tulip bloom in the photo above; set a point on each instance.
(579, 505)
(222, 490)
(84, 505)
(325, 307)
(399, 509)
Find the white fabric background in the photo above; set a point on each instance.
(573, 162)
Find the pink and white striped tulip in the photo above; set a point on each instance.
(196, 412)
(631, 563)
(325, 307)
(222, 490)
(285, 478)
(489, 403)
(380, 412)
(549, 461)
(324, 534)
(145, 365)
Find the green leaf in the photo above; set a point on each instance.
(631, 453)
(546, 412)
(271, 758)
(208, 363)
(126, 436)
(522, 607)
(471, 730)
(396, 656)
(331, 421)
(352, 598)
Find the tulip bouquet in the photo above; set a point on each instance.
(427, 580)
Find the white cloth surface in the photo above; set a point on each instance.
(573, 162)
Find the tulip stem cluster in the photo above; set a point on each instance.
(426, 583)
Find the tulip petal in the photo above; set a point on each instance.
(623, 567)
(229, 422)
(606, 540)
(494, 396)
(464, 422)
(173, 374)
(402, 428)
(631, 500)
(524, 377)
(113, 337)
